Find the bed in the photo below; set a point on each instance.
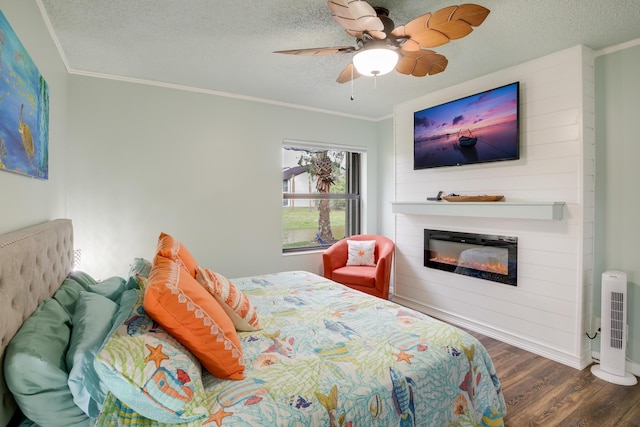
(179, 344)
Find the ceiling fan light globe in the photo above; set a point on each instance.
(375, 62)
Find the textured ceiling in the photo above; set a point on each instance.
(226, 46)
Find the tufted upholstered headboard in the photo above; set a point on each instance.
(34, 262)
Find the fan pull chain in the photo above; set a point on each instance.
(352, 98)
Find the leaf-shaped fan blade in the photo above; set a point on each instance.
(450, 23)
(472, 14)
(319, 51)
(421, 63)
(442, 16)
(347, 73)
(356, 17)
(419, 34)
(456, 21)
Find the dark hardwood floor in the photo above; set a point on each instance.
(540, 392)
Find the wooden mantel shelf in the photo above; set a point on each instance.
(518, 210)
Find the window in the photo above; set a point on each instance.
(320, 195)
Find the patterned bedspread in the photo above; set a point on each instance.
(329, 356)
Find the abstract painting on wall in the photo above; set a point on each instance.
(24, 109)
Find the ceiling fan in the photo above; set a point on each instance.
(405, 46)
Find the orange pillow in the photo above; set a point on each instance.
(169, 247)
(187, 311)
(233, 301)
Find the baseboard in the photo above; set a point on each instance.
(538, 348)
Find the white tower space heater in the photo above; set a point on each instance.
(613, 330)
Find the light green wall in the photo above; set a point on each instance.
(27, 201)
(206, 169)
(617, 234)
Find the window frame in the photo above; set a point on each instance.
(286, 183)
(353, 196)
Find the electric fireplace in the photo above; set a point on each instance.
(484, 256)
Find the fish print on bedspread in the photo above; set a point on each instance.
(339, 358)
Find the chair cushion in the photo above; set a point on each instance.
(355, 275)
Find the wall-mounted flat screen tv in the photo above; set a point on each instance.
(479, 128)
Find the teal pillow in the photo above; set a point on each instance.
(127, 300)
(136, 282)
(35, 368)
(111, 288)
(139, 273)
(92, 322)
(67, 295)
(140, 267)
(83, 278)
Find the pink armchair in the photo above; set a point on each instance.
(373, 280)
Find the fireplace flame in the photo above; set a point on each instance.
(492, 267)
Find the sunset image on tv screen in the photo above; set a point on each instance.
(479, 128)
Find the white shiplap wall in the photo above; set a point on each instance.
(549, 311)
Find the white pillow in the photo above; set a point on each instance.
(361, 252)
